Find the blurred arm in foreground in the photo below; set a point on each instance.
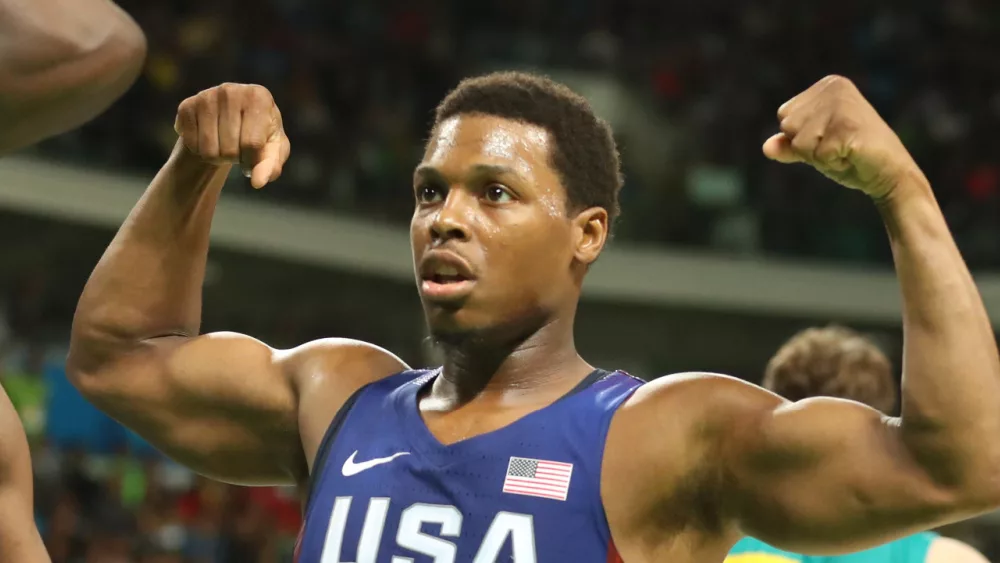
(62, 62)
(20, 541)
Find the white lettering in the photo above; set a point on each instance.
(521, 530)
(411, 537)
(371, 533)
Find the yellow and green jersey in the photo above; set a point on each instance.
(911, 549)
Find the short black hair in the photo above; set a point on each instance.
(584, 154)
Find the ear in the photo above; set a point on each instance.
(590, 232)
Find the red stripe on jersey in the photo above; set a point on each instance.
(613, 556)
(298, 543)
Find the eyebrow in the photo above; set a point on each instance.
(431, 173)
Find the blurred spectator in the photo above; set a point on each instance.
(358, 82)
(23, 381)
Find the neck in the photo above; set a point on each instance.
(544, 359)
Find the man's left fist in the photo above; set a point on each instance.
(834, 129)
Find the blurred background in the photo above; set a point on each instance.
(718, 258)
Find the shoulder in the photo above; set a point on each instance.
(661, 445)
(669, 410)
(948, 550)
(698, 397)
(704, 384)
(344, 362)
(676, 414)
(325, 374)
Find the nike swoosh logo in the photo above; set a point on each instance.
(351, 468)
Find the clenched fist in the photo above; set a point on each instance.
(235, 123)
(834, 129)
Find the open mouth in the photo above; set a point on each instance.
(443, 281)
(445, 275)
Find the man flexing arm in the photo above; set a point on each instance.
(62, 62)
(226, 405)
(827, 475)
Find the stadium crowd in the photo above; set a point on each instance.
(358, 82)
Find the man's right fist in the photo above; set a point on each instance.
(235, 123)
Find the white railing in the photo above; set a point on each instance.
(625, 273)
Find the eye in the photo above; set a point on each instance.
(495, 193)
(429, 194)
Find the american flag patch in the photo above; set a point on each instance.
(538, 478)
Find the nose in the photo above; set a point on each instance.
(451, 221)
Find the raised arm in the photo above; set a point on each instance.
(19, 538)
(826, 474)
(62, 62)
(225, 404)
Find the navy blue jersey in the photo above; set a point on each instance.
(385, 490)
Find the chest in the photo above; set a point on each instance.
(451, 426)
(400, 506)
(387, 490)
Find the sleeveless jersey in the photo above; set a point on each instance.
(385, 490)
(911, 549)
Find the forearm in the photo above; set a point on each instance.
(149, 281)
(951, 379)
(61, 64)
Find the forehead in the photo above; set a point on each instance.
(463, 141)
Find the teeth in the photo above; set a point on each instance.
(446, 271)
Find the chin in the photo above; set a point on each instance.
(471, 329)
(461, 324)
(450, 325)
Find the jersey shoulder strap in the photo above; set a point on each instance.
(378, 387)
